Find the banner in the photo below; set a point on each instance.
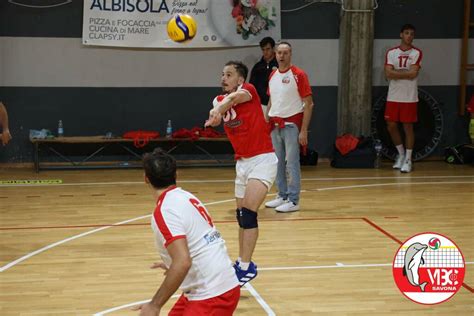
(143, 23)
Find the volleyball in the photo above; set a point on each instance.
(182, 28)
(434, 243)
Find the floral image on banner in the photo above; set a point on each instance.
(253, 16)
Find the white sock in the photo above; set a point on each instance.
(244, 265)
(401, 149)
(408, 155)
(239, 259)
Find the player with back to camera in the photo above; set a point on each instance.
(194, 254)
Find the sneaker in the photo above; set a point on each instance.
(288, 207)
(399, 161)
(245, 276)
(407, 166)
(276, 202)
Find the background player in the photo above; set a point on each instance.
(402, 64)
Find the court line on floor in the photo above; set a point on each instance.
(335, 266)
(31, 254)
(231, 181)
(260, 300)
(114, 309)
(256, 295)
(388, 184)
(247, 287)
(147, 224)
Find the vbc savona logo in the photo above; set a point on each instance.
(429, 268)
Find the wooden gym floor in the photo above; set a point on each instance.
(59, 256)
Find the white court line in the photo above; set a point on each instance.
(335, 266)
(388, 184)
(260, 300)
(252, 290)
(114, 309)
(31, 254)
(227, 180)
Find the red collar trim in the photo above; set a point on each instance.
(282, 72)
(404, 50)
(162, 195)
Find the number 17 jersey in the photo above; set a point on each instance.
(403, 90)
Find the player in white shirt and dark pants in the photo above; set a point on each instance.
(402, 64)
(192, 250)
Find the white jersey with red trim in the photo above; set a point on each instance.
(403, 90)
(179, 214)
(286, 90)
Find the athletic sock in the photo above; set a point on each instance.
(244, 265)
(408, 155)
(401, 150)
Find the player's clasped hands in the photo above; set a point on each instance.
(214, 118)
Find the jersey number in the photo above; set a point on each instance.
(402, 61)
(201, 211)
(229, 115)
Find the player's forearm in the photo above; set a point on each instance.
(308, 112)
(228, 102)
(174, 277)
(401, 74)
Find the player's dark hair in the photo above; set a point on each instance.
(160, 168)
(240, 67)
(267, 40)
(407, 27)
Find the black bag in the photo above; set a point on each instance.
(460, 154)
(310, 159)
(363, 156)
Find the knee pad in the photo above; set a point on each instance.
(248, 218)
(239, 217)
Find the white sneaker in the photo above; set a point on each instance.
(276, 202)
(399, 161)
(288, 207)
(407, 166)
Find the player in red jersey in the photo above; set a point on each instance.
(256, 162)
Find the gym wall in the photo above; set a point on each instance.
(47, 75)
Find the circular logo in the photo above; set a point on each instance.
(429, 268)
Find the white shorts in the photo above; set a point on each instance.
(261, 167)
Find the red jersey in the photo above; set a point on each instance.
(246, 127)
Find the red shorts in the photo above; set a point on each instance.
(405, 112)
(222, 305)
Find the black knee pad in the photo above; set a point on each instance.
(248, 218)
(239, 217)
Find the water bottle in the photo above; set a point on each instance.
(378, 153)
(60, 129)
(169, 129)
